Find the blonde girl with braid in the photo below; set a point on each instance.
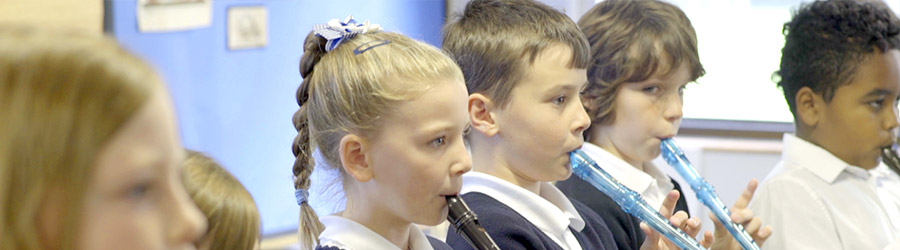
(389, 114)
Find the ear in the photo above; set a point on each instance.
(353, 158)
(481, 114)
(809, 107)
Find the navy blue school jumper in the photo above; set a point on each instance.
(512, 231)
(625, 228)
(435, 243)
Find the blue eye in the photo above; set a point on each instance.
(437, 142)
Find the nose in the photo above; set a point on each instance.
(891, 122)
(463, 162)
(582, 120)
(672, 108)
(187, 223)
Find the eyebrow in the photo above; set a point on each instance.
(568, 86)
(877, 92)
(436, 128)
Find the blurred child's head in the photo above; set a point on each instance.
(89, 154)
(839, 73)
(524, 65)
(643, 53)
(230, 210)
(389, 112)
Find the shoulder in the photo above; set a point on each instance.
(790, 173)
(577, 189)
(790, 195)
(597, 234)
(489, 209)
(589, 215)
(788, 183)
(507, 227)
(596, 208)
(437, 244)
(594, 205)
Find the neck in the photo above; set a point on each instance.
(488, 160)
(804, 133)
(378, 219)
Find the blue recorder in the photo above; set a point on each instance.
(630, 201)
(705, 192)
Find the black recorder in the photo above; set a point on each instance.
(466, 224)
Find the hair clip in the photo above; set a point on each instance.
(302, 196)
(369, 45)
(336, 31)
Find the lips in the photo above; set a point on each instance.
(574, 148)
(453, 191)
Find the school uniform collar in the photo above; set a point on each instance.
(625, 173)
(347, 234)
(551, 211)
(817, 160)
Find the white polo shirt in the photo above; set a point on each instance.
(347, 234)
(887, 185)
(814, 200)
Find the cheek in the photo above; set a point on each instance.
(416, 172)
(631, 142)
(420, 192)
(632, 138)
(431, 181)
(533, 132)
(631, 129)
(552, 131)
(556, 135)
(389, 157)
(422, 175)
(639, 109)
(105, 229)
(855, 126)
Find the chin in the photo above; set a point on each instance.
(653, 152)
(435, 219)
(566, 174)
(870, 164)
(871, 161)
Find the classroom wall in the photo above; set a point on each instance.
(237, 105)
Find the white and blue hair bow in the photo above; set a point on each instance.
(336, 31)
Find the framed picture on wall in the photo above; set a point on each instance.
(247, 27)
(173, 15)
